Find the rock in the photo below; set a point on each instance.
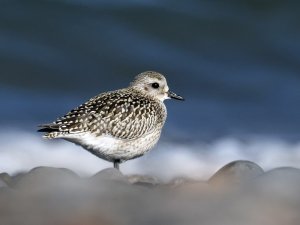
(280, 183)
(16, 177)
(3, 184)
(143, 180)
(41, 177)
(6, 178)
(235, 173)
(199, 188)
(181, 181)
(272, 198)
(109, 174)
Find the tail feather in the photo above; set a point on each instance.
(48, 127)
(54, 130)
(51, 130)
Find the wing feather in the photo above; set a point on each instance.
(120, 114)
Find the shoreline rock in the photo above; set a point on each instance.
(239, 193)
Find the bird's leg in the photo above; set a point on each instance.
(117, 164)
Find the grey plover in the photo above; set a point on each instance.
(118, 125)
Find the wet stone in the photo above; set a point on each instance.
(3, 183)
(6, 178)
(109, 174)
(181, 181)
(280, 183)
(235, 173)
(143, 180)
(41, 177)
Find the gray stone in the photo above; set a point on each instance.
(109, 174)
(6, 178)
(143, 180)
(283, 183)
(3, 183)
(181, 181)
(43, 176)
(235, 173)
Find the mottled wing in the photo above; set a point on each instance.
(126, 116)
(120, 114)
(76, 121)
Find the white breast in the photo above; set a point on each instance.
(111, 148)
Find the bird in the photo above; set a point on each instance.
(117, 125)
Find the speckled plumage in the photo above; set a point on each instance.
(117, 125)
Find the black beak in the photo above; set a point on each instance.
(175, 96)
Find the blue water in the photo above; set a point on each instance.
(235, 62)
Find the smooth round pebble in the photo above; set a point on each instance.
(43, 177)
(235, 173)
(283, 182)
(109, 174)
(6, 178)
(143, 180)
(181, 181)
(3, 184)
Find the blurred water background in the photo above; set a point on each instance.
(237, 63)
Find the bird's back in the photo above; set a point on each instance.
(123, 114)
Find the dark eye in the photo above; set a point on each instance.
(155, 85)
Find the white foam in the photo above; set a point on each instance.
(23, 150)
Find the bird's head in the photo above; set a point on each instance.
(154, 84)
